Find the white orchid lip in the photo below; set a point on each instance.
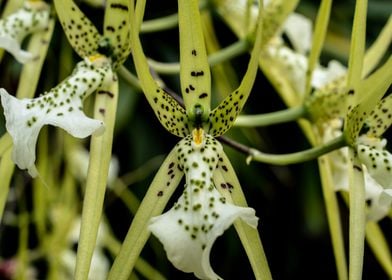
(32, 17)
(189, 229)
(62, 106)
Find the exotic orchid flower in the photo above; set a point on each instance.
(203, 212)
(63, 105)
(32, 17)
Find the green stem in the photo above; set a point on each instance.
(163, 23)
(128, 77)
(357, 218)
(6, 171)
(290, 114)
(297, 157)
(333, 216)
(159, 24)
(100, 155)
(229, 52)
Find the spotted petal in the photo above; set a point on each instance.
(62, 107)
(380, 118)
(171, 115)
(81, 33)
(117, 29)
(32, 17)
(222, 118)
(189, 229)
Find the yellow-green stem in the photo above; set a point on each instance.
(100, 155)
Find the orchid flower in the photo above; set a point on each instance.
(62, 106)
(32, 17)
(204, 211)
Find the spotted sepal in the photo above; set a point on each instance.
(195, 72)
(380, 119)
(171, 115)
(81, 33)
(327, 102)
(222, 118)
(117, 31)
(371, 90)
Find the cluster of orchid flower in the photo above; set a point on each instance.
(343, 111)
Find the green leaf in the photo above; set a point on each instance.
(117, 30)
(222, 118)
(228, 185)
(161, 189)
(81, 33)
(171, 115)
(195, 72)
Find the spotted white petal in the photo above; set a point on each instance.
(62, 107)
(189, 229)
(378, 162)
(32, 17)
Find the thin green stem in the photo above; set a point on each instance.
(357, 218)
(297, 157)
(159, 24)
(227, 53)
(6, 171)
(287, 115)
(100, 155)
(128, 77)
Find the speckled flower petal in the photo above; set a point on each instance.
(378, 163)
(171, 115)
(117, 29)
(62, 107)
(81, 33)
(32, 17)
(189, 229)
(380, 119)
(222, 117)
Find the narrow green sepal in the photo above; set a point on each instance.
(222, 117)
(171, 115)
(195, 72)
(81, 33)
(117, 30)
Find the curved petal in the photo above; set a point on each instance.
(30, 18)
(189, 229)
(378, 162)
(299, 30)
(62, 107)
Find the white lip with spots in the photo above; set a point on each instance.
(32, 17)
(189, 229)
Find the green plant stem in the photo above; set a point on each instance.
(285, 159)
(6, 171)
(159, 24)
(333, 216)
(229, 52)
(151, 205)
(357, 218)
(100, 155)
(287, 115)
(128, 77)
(5, 143)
